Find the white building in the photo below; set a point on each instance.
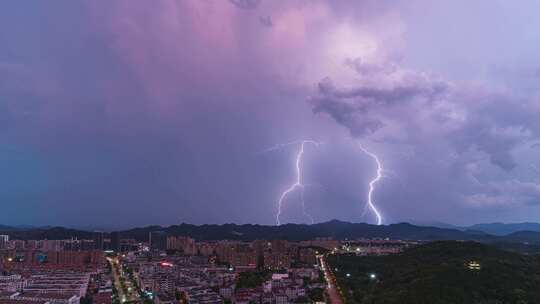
(12, 283)
(4, 239)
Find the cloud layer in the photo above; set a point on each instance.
(127, 106)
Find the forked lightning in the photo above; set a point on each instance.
(298, 184)
(372, 184)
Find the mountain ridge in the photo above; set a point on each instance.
(524, 241)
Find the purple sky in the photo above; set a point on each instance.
(125, 112)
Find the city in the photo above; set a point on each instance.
(174, 269)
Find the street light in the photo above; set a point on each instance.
(372, 276)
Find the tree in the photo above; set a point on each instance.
(86, 299)
(316, 294)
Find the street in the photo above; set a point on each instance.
(331, 288)
(126, 291)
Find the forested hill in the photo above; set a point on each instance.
(295, 232)
(439, 272)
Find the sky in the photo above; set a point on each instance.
(126, 113)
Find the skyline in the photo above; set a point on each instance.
(123, 113)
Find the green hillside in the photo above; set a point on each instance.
(439, 273)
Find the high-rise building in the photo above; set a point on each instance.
(52, 245)
(277, 260)
(98, 240)
(182, 243)
(115, 241)
(279, 246)
(158, 240)
(307, 256)
(4, 239)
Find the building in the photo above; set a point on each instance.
(374, 247)
(102, 298)
(227, 291)
(203, 296)
(277, 260)
(326, 243)
(115, 241)
(307, 256)
(127, 245)
(58, 283)
(51, 298)
(181, 243)
(279, 246)
(162, 298)
(99, 240)
(12, 283)
(4, 241)
(38, 259)
(52, 245)
(158, 240)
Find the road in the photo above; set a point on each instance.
(331, 286)
(119, 275)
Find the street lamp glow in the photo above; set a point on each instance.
(348, 275)
(372, 276)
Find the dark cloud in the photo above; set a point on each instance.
(367, 68)
(266, 21)
(353, 116)
(246, 4)
(415, 106)
(363, 108)
(506, 193)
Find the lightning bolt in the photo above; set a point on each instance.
(372, 184)
(312, 221)
(298, 183)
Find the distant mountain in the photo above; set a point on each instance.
(7, 228)
(297, 232)
(499, 229)
(46, 233)
(435, 224)
(532, 237)
(505, 229)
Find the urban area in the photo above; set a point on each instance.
(165, 269)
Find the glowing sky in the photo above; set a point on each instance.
(129, 112)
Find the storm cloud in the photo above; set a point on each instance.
(157, 111)
(416, 108)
